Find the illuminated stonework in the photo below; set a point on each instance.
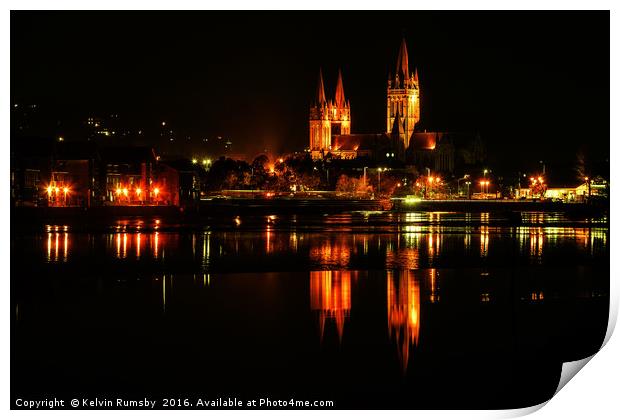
(330, 121)
(403, 98)
(328, 118)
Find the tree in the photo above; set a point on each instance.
(581, 169)
(260, 162)
(309, 181)
(346, 184)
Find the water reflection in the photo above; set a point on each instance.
(403, 312)
(407, 258)
(412, 248)
(329, 253)
(330, 297)
(152, 290)
(57, 246)
(433, 285)
(256, 327)
(134, 244)
(484, 241)
(537, 240)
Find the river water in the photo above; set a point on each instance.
(367, 309)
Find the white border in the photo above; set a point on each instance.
(592, 394)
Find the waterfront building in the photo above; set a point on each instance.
(31, 167)
(128, 174)
(597, 188)
(179, 183)
(74, 174)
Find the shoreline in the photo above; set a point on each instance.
(221, 214)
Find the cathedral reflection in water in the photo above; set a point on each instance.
(403, 312)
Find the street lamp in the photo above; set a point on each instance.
(379, 189)
(484, 184)
(458, 186)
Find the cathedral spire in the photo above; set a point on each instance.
(402, 64)
(320, 89)
(340, 99)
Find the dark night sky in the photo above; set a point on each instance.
(536, 85)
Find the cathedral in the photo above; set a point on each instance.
(403, 100)
(403, 140)
(328, 119)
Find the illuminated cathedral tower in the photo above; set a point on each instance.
(403, 98)
(341, 110)
(328, 118)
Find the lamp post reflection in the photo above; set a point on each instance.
(484, 241)
(53, 249)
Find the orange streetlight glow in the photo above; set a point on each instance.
(138, 191)
(125, 192)
(156, 191)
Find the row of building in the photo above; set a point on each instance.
(595, 188)
(45, 172)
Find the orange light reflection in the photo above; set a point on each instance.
(403, 312)
(330, 296)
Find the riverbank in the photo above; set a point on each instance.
(407, 205)
(229, 208)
